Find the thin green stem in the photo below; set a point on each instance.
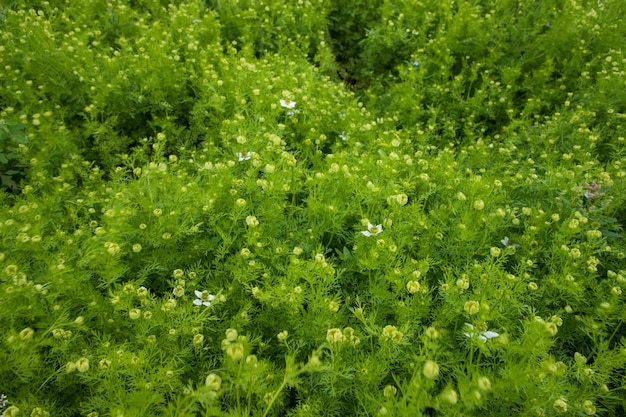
(614, 332)
(238, 393)
(471, 360)
(293, 182)
(274, 396)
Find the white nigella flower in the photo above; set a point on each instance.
(482, 335)
(244, 156)
(288, 104)
(343, 136)
(204, 298)
(372, 230)
(292, 112)
(505, 243)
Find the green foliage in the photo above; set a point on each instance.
(480, 69)
(11, 137)
(312, 208)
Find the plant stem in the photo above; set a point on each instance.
(274, 396)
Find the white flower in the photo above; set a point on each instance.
(288, 104)
(372, 230)
(204, 298)
(343, 136)
(292, 112)
(505, 243)
(482, 335)
(244, 156)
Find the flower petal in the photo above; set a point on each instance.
(490, 335)
(366, 233)
(244, 157)
(198, 293)
(288, 104)
(197, 302)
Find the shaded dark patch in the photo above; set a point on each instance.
(298, 199)
(333, 241)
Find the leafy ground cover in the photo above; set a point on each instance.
(312, 208)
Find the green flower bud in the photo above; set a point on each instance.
(431, 369)
(213, 382)
(82, 365)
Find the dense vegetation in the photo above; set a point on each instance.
(312, 208)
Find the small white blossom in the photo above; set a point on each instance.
(482, 335)
(372, 230)
(505, 243)
(343, 136)
(244, 156)
(204, 298)
(288, 104)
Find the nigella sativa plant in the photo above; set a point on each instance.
(482, 335)
(204, 298)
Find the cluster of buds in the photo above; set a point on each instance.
(81, 365)
(550, 326)
(62, 334)
(347, 336)
(392, 333)
(232, 345)
(112, 248)
(179, 289)
(400, 199)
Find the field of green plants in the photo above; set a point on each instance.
(312, 208)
